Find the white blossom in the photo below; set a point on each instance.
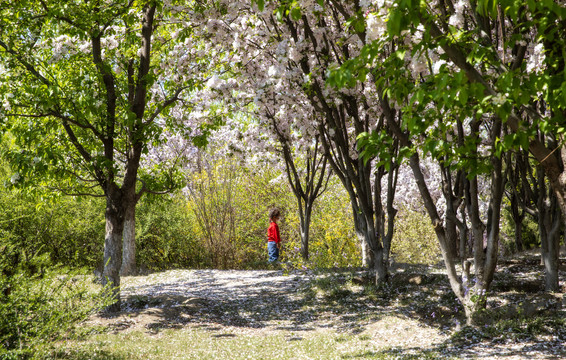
(15, 178)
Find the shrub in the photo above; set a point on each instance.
(39, 307)
(414, 240)
(333, 242)
(70, 230)
(166, 235)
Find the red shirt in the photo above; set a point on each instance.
(273, 233)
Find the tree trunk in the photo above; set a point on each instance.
(385, 224)
(517, 177)
(471, 292)
(129, 242)
(367, 237)
(367, 258)
(518, 220)
(115, 215)
(455, 282)
(549, 228)
(304, 230)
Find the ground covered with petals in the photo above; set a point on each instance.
(289, 314)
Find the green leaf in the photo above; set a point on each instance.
(394, 22)
(463, 96)
(296, 13)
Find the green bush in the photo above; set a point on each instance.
(39, 307)
(69, 230)
(414, 240)
(165, 234)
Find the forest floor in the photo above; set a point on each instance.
(415, 317)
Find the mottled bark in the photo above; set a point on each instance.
(115, 215)
(129, 242)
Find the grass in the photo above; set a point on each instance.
(334, 316)
(203, 344)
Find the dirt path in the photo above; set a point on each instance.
(417, 316)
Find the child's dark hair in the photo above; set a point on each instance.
(274, 213)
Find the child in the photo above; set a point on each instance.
(273, 237)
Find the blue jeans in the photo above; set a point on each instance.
(272, 251)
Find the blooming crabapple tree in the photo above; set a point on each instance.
(460, 93)
(306, 169)
(86, 89)
(312, 38)
(516, 48)
(265, 96)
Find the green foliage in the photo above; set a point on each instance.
(68, 230)
(414, 240)
(165, 234)
(40, 306)
(530, 233)
(333, 242)
(40, 301)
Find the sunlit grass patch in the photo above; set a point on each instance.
(201, 344)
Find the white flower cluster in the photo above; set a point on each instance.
(6, 101)
(61, 46)
(376, 26)
(457, 19)
(499, 99)
(15, 178)
(535, 62)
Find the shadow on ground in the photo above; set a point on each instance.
(519, 311)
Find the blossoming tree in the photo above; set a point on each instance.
(313, 38)
(466, 80)
(87, 87)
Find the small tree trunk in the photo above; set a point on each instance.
(304, 230)
(368, 238)
(518, 220)
(129, 242)
(551, 262)
(380, 266)
(519, 235)
(305, 213)
(463, 235)
(549, 222)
